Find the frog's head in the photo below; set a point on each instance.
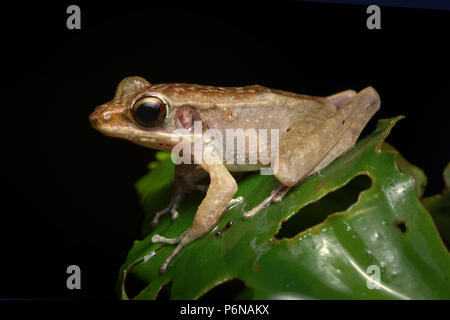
(141, 114)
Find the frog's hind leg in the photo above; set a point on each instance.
(280, 195)
(275, 196)
(369, 104)
(349, 138)
(316, 147)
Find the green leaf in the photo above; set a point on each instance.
(384, 227)
(154, 188)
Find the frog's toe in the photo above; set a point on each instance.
(160, 239)
(163, 268)
(172, 208)
(174, 213)
(280, 195)
(273, 195)
(159, 214)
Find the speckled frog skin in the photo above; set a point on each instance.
(312, 132)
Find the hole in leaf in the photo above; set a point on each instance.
(227, 290)
(133, 286)
(164, 292)
(317, 212)
(400, 226)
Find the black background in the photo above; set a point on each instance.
(70, 196)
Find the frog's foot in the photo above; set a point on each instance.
(275, 196)
(160, 239)
(173, 212)
(186, 237)
(172, 208)
(182, 240)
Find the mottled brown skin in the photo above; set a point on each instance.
(313, 131)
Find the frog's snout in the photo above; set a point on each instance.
(106, 115)
(95, 116)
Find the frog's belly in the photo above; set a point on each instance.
(242, 167)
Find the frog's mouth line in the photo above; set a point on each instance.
(156, 140)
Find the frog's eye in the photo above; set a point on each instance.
(149, 111)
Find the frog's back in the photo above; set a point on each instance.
(248, 96)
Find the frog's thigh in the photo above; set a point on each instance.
(300, 153)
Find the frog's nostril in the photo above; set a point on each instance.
(98, 115)
(106, 115)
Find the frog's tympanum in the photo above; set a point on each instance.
(311, 132)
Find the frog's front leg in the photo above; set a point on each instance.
(218, 197)
(187, 178)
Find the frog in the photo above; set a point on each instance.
(312, 132)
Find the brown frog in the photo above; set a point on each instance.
(302, 135)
